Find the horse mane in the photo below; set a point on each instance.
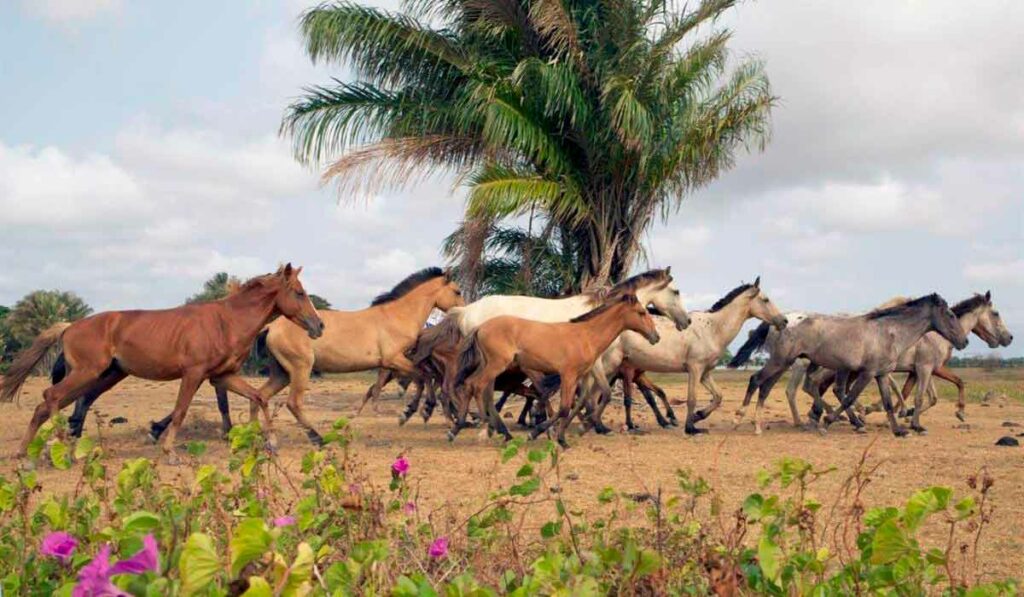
(447, 331)
(235, 287)
(895, 301)
(967, 305)
(901, 309)
(405, 286)
(728, 298)
(607, 304)
(629, 285)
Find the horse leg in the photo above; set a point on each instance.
(110, 378)
(492, 412)
(816, 385)
(945, 373)
(908, 386)
(883, 389)
(627, 398)
(61, 394)
(431, 403)
(186, 391)
(234, 383)
(373, 392)
(650, 390)
(225, 412)
(691, 401)
(566, 412)
(762, 396)
(413, 405)
(796, 376)
(716, 395)
(597, 374)
(924, 379)
(847, 396)
(773, 368)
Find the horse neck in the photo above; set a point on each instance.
(413, 309)
(602, 330)
(727, 321)
(968, 321)
(909, 329)
(251, 310)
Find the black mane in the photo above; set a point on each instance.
(725, 300)
(967, 305)
(608, 304)
(932, 299)
(405, 286)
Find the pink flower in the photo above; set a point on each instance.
(355, 488)
(409, 508)
(284, 521)
(439, 548)
(94, 577)
(58, 545)
(400, 467)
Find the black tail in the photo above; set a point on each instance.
(60, 369)
(469, 358)
(262, 356)
(755, 341)
(548, 384)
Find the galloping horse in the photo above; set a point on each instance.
(375, 337)
(925, 358)
(694, 350)
(567, 349)
(655, 288)
(869, 345)
(191, 343)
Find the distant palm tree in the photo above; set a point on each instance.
(600, 114)
(217, 287)
(40, 309)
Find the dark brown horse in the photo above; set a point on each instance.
(192, 343)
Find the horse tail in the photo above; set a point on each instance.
(446, 332)
(470, 358)
(59, 370)
(29, 359)
(260, 354)
(755, 341)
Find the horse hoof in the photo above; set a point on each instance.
(600, 429)
(960, 415)
(900, 432)
(691, 430)
(270, 446)
(451, 437)
(564, 444)
(402, 419)
(151, 438)
(758, 431)
(861, 430)
(919, 430)
(673, 422)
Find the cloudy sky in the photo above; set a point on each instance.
(139, 155)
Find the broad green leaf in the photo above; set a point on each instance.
(199, 564)
(924, 503)
(889, 543)
(299, 573)
(59, 456)
(250, 541)
(525, 488)
(769, 557)
(140, 522)
(258, 587)
(84, 447)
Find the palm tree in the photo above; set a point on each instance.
(217, 287)
(600, 114)
(37, 311)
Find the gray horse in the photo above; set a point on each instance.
(976, 314)
(869, 345)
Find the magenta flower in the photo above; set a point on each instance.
(400, 467)
(355, 488)
(284, 521)
(58, 545)
(409, 508)
(439, 548)
(94, 577)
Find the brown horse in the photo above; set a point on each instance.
(372, 338)
(192, 343)
(568, 349)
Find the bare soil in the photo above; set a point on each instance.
(458, 476)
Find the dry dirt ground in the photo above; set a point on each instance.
(458, 476)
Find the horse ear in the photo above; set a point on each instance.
(757, 282)
(447, 274)
(298, 271)
(988, 296)
(287, 271)
(668, 271)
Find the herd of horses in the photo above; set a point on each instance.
(577, 346)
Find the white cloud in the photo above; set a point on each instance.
(48, 187)
(68, 11)
(1002, 272)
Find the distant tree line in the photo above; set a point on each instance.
(990, 361)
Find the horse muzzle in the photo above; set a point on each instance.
(314, 327)
(685, 323)
(780, 322)
(653, 337)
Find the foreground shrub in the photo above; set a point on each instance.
(253, 529)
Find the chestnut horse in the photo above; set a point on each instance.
(192, 343)
(568, 349)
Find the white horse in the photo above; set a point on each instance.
(654, 288)
(695, 350)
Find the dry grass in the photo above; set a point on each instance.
(459, 476)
